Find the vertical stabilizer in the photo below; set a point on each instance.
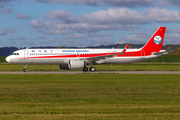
(155, 42)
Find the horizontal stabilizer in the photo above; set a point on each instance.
(162, 52)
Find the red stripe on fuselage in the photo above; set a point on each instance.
(127, 54)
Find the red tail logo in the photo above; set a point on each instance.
(156, 41)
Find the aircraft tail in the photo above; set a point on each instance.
(155, 42)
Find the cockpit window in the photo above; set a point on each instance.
(15, 53)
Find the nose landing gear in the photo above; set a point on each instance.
(25, 68)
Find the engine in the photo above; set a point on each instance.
(63, 66)
(73, 64)
(76, 64)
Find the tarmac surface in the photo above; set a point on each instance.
(96, 72)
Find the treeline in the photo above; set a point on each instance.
(175, 48)
(175, 52)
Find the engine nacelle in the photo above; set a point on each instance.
(76, 64)
(73, 64)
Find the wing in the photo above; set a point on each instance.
(107, 56)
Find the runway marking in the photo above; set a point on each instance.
(96, 72)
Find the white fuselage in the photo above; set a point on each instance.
(62, 56)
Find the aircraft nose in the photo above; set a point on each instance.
(8, 59)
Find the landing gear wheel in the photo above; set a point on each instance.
(85, 69)
(25, 70)
(92, 69)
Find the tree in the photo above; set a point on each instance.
(176, 52)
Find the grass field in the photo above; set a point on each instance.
(90, 96)
(120, 67)
(2, 59)
(165, 59)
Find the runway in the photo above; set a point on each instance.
(96, 72)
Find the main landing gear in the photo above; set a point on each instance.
(25, 68)
(92, 69)
(85, 69)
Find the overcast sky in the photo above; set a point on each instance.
(26, 23)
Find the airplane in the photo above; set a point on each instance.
(80, 58)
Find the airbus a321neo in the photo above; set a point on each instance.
(80, 58)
